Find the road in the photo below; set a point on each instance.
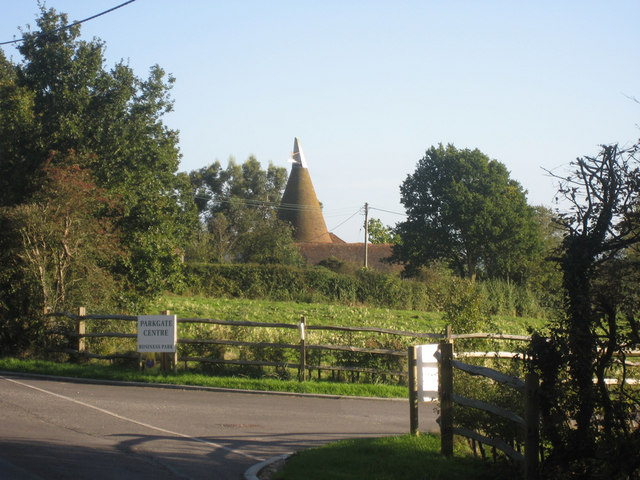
(53, 429)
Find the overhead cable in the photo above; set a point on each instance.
(261, 203)
(78, 22)
(387, 211)
(338, 226)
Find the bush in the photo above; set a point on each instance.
(434, 289)
(311, 284)
(466, 309)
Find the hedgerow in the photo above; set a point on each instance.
(318, 284)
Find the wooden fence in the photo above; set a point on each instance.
(530, 423)
(447, 398)
(527, 388)
(298, 360)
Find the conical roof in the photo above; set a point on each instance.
(300, 205)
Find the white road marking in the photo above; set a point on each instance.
(136, 422)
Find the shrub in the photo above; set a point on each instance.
(434, 289)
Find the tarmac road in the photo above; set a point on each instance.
(52, 429)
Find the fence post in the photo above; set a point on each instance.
(81, 329)
(413, 392)
(174, 355)
(448, 333)
(446, 397)
(532, 437)
(166, 358)
(302, 374)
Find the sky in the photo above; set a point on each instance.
(368, 87)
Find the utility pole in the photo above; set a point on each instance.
(366, 234)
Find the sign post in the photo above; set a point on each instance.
(427, 372)
(414, 421)
(157, 334)
(423, 380)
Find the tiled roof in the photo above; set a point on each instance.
(352, 253)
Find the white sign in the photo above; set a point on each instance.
(157, 333)
(427, 372)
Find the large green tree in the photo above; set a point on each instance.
(463, 207)
(61, 98)
(237, 207)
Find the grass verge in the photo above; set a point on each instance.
(117, 373)
(391, 458)
(323, 314)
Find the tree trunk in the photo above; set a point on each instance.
(578, 269)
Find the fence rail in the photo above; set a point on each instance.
(529, 424)
(298, 360)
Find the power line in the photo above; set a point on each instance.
(387, 211)
(258, 203)
(269, 204)
(338, 226)
(70, 25)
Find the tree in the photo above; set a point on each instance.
(61, 98)
(380, 233)
(221, 190)
(58, 251)
(598, 322)
(67, 239)
(463, 208)
(238, 209)
(17, 129)
(541, 269)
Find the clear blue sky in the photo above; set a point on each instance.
(369, 86)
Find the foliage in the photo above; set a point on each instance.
(465, 309)
(589, 425)
(282, 282)
(339, 266)
(321, 313)
(61, 98)
(21, 325)
(463, 207)
(380, 233)
(67, 238)
(59, 250)
(543, 270)
(237, 206)
(504, 297)
(17, 127)
(268, 242)
(433, 290)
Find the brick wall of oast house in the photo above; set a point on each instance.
(352, 253)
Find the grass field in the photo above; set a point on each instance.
(391, 458)
(321, 314)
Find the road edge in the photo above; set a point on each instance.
(253, 471)
(96, 381)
